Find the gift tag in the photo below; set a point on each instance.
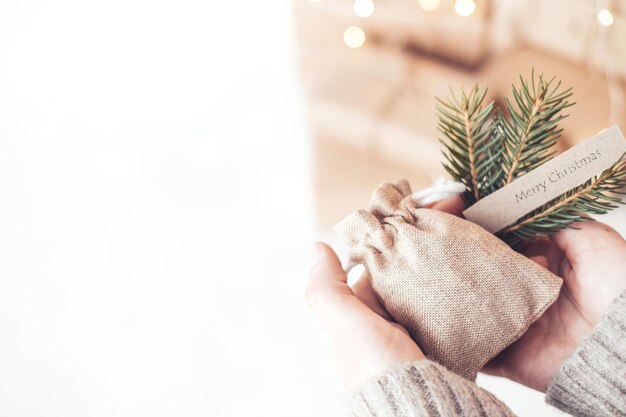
(547, 182)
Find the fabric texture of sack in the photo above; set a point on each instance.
(461, 292)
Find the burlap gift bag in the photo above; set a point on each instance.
(461, 292)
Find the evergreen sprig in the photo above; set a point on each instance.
(470, 144)
(531, 132)
(486, 149)
(598, 195)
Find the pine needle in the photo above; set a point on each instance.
(599, 195)
(470, 143)
(485, 150)
(531, 133)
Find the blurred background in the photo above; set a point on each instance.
(372, 69)
(164, 166)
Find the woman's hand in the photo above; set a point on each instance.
(365, 339)
(592, 263)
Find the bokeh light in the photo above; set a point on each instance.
(429, 5)
(465, 8)
(354, 37)
(363, 8)
(605, 17)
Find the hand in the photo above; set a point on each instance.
(365, 339)
(592, 263)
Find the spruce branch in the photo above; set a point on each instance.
(598, 195)
(532, 131)
(470, 144)
(486, 149)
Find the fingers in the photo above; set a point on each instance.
(590, 236)
(363, 291)
(551, 254)
(541, 260)
(330, 298)
(327, 279)
(453, 205)
(591, 239)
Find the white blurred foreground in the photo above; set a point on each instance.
(154, 212)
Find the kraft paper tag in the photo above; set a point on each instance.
(557, 176)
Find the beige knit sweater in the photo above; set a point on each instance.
(591, 382)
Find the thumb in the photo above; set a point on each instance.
(331, 299)
(589, 237)
(327, 279)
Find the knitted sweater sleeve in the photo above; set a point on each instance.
(426, 389)
(592, 381)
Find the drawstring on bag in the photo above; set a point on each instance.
(441, 189)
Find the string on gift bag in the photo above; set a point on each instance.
(441, 189)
